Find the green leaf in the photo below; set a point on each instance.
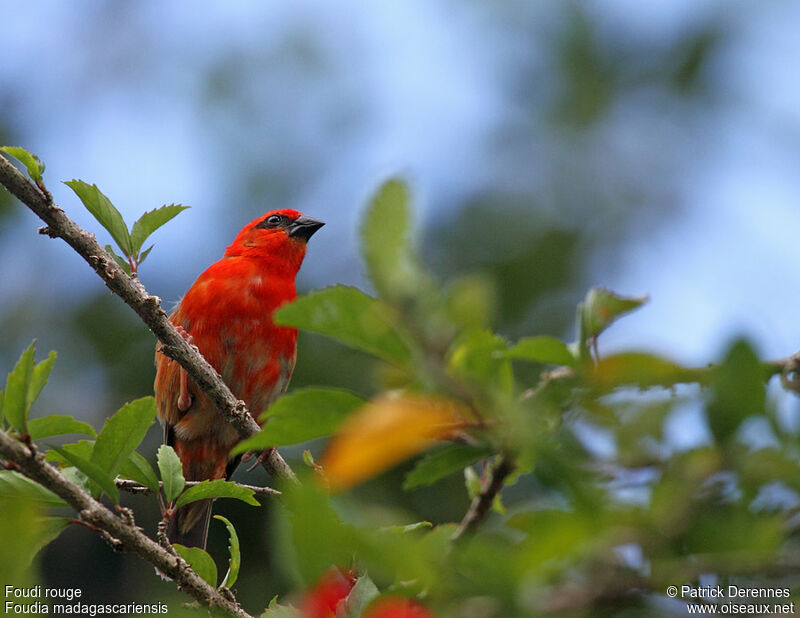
(104, 211)
(301, 416)
(76, 477)
(602, 307)
(479, 355)
(472, 482)
(93, 471)
(171, 469)
(15, 399)
(52, 527)
(347, 314)
(121, 261)
(143, 255)
(542, 349)
(31, 162)
(122, 433)
(41, 373)
(82, 448)
(442, 463)
(639, 369)
(57, 425)
(200, 561)
(419, 525)
(235, 560)
(738, 390)
(281, 611)
(149, 222)
(14, 486)
(217, 488)
(362, 593)
(385, 242)
(319, 539)
(137, 468)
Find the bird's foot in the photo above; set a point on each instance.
(262, 457)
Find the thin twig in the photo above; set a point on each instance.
(481, 503)
(147, 307)
(120, 533)
(134, 488)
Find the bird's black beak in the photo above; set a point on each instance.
(304, 227)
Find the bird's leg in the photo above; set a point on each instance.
(184, 398)
(262, 457)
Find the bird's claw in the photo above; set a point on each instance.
(262, 457)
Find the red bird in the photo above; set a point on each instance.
(227, 314)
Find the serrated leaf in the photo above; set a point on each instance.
(386, 431)
(121, 261)
(300, 416)
(149, 222)
(14, 486)
(171, 470)
(31, 162)
(93, 471)
(104, 211)
(347, 314)
(138, 469)
(57, 425)
(15, 398)
(442, 463)
(542, 349)
(122, 433)
(362, 593)
(385, 241)
(235, 555)
(200, 561)
(602, 307)
(217, 488)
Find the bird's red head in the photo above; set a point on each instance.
(279, 236)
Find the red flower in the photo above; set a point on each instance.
(328, 594)
(395, 607)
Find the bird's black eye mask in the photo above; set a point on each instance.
(273, 222)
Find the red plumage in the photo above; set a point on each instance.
(227, 314)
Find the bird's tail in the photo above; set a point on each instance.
(189, 524)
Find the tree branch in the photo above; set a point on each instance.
(133, 487)
(481, 503)
(121, 533)
(147, 307)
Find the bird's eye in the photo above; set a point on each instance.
(273, 221)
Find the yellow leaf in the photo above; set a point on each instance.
(386, 431)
